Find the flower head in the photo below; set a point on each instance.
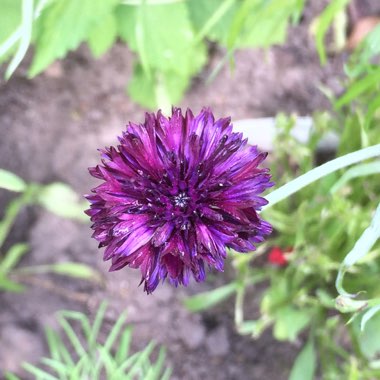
(176, 193)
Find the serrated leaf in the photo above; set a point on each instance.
(103, 35)
(11, 181)
(63, 25)
(62, 200)
(305, 364)
(168, 49)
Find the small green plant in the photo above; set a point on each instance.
(80, 352)
(58, 198)
(324, 290)
(169, 37)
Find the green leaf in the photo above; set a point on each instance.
(319, 172)
(170, 48)
(62, 200)
(359, 87)
(11, 376)
(361, 170)
(11, 181)
(322, 24)
(72, 269)
(10, 19)
(369, 339)
(150, 91)
(212, 18)
(206, 300)
(289, 322)
(63, 25)
(13, 256)
(103, 35)
(373, 106)
(39, 373)
(368, 315)
(10, 286)
(26, 36)
(362, 246)
(11, 212)
(267, 23)
(305, 364)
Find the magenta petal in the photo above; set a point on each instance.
(175, 193)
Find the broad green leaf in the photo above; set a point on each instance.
(13, 256)
(10, 19)
(289, 322)
(63, 25)
(11, 181)
(167, 49)
(219, 12)
(62, 200)
(305, 364)
(103, 35)
(208, 299)
(267, 23)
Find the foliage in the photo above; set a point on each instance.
(169, 37)
(80, 353)
(58, 198)
(333, 230)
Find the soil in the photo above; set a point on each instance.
(51, 128)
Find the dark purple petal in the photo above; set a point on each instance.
(175, 193)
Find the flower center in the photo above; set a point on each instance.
(181, 200)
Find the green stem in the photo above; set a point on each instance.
(319, 172)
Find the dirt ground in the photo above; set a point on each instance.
(51, 127)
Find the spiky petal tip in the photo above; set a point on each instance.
(175, 194)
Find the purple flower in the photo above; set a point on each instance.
(176, 193)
